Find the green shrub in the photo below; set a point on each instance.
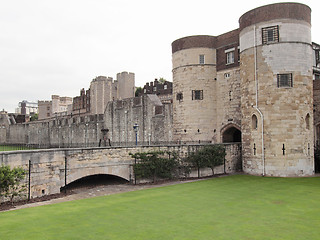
(208, 156)
(155, 164)
(10, 182)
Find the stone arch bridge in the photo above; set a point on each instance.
(52, 169)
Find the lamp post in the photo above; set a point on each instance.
(136, 128)
(59, 135)
(86, 136)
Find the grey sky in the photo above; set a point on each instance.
(58, 47)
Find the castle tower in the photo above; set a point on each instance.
(194, 75)
(276, 90)
(100, 94)
(126, 85)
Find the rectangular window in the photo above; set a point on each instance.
(230, 57)
(197, 94)
(239, 54)
(316, 76)
(201, 59)
(165, 87)
(317, 56)
(284, 80)
(179, 96)
(158, 110)
(270, 34)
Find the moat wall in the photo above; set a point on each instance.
(52, 169)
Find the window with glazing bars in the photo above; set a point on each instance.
(317, 56)
(284, 80)
(197, 94)
(270, 34)
(201, 59)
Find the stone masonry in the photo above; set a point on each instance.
(53, 169)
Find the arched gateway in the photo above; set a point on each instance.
(231, 133)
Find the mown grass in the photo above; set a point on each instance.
(12, 148)
(233, 207)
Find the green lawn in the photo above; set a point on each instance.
(12, 148)
(233, 207)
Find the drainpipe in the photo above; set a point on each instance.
(256, 106)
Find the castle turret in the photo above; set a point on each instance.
(276, 90)
(194, 75)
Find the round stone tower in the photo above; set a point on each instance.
(194, 79)
(276, 90)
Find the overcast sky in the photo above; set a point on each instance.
(59, 46)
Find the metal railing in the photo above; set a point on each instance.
(23, 146)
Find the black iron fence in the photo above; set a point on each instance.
(20, 146)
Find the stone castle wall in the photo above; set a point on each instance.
(286, 112)
(60, 132)
(153, 118)
(52, 169)
(189, 75)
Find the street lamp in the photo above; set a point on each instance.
(136, 128)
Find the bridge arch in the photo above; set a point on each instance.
(231, 133)
(121, 171)
(93, 181)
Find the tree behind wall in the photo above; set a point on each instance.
(208, 156)
(155, 165)
(10, 182)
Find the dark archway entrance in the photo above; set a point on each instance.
(94, 181)
(231, 134)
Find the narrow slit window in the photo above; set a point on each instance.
(254, 122)
(308, 121)
(201, 59)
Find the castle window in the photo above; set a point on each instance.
(201, 59)
(318, 134)
(197, 94)
(316, 76)
(254, 122)
(165, 87)
(154, 89)
(179, 96)
(229, 55)
(226, 75)
(308, 121)
(270, 34)
(158, 110)
(284, 80)
(317, 53)
(144, 90)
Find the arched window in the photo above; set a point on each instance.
(254, 122)
(308, 121)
